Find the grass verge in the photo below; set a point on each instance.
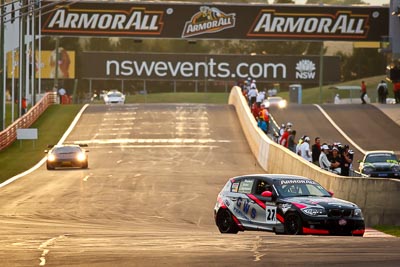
(23, 154)
(389, 229)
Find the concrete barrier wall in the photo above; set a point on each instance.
(378, 198)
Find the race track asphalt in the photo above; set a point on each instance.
(147, 199)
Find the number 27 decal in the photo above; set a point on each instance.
(270, 214)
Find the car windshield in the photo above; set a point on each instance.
(115, 95)
(274, 99)
(300, 188)
(66, 150)
(383, 157)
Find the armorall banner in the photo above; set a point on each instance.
(216, 21)
(162, 66)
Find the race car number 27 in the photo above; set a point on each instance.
(270, 214)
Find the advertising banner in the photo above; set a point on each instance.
(47, 66)
(156, 66)
(216, 21)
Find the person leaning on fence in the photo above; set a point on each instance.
(291, 141)
(346, 161)
(336, 161)
(316, 150)
(324, 162)
(305, 150)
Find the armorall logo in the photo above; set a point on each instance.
(343, 23)
(136, 21)
(208, 20)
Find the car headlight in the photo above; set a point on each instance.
(396, 168)
(314, 211)
(357, 213)
(51, 157)
(81, 157)
(282, 104)
(367, 170)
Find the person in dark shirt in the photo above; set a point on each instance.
(316, 150)
(336, 161)
(346, 161)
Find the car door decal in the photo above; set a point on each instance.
(270, 212)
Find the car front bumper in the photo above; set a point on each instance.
(333, 226)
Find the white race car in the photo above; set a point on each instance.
(114, 97)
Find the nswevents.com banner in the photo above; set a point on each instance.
(155, 66)
(216, 21)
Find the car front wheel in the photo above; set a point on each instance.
(49, 166)
(293, 224)
(85, 165)
(225, 222)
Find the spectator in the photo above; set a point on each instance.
(23, 106)
(263, 125)
(301, 140)
(255, 110)
(346, 162)
(336, 100)
(291, 141)
(305, 149)
(264, 115)
(285, 136)
(260, 98)
(252, 95)
(382, 92)
(253, 84)
(281, 131)
(396, 91)
(316, 150)
(336, 161)
(323, 160)
(363, 92)
(61, 92)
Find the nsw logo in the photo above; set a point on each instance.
(208, 20)
(305, 70)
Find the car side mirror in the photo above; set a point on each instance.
(330, 193)
(266, 194)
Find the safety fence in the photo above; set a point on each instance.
(9, 135)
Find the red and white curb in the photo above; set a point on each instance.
(370, 232)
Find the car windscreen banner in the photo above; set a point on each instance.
(215, 21)
(159, 66)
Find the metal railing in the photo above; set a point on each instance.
(9, 135)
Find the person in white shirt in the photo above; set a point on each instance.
(305, 151)
(324, 162)
(252, 95)
(260, 98)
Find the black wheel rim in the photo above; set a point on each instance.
(292, 225)
(225, 222)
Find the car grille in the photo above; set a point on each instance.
(340, 212)
(379, 169)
